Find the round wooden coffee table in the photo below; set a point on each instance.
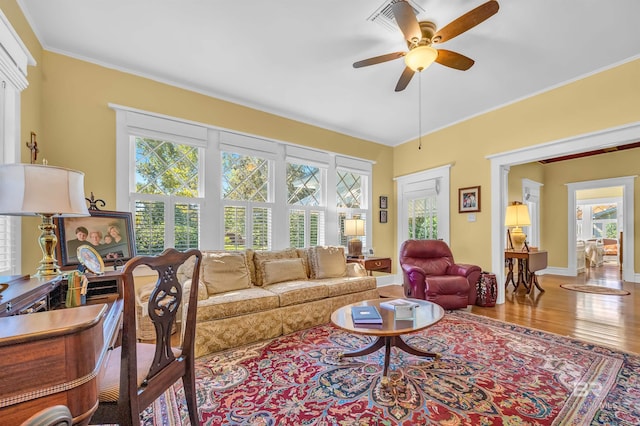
(388, 334)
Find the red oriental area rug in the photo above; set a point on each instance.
(490, 373)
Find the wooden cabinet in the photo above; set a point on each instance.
(378, 264)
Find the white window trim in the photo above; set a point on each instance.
(14, 61)
(437, 178)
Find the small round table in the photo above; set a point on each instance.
(389, 332)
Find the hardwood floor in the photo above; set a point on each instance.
(607, 320)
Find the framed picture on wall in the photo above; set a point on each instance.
(383, 216)
(109, 233)
(384, 202)
(469, 199)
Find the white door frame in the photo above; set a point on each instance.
(499, 169)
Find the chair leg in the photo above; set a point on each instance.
(189, 383)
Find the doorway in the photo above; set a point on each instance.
(501, 162)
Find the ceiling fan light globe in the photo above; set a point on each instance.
(419, 58)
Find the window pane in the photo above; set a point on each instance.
(423, 219)
(166, 168)
(296, 228)
(244, 178)
(187, 225)
(349, 190)
(316, 231)
(149, 227)
(235, 219)
(261, 231)
(303, 184)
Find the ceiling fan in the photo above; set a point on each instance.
(422, 35)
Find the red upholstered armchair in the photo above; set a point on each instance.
(430, 273)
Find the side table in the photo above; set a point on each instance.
(378, 264)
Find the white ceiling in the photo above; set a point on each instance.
(294, 58)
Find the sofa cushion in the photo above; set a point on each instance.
(327, 262)
(276, 271)
(294, 292)
(235, 303)
(348, 285)
(259, 257)
(303, 253)
(222, 272)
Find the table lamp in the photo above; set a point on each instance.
(517, 215)
(45, 191)
(354, 228)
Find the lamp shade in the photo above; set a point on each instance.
(32, 189)
(354, 227)
(517, 215)
(420, 57)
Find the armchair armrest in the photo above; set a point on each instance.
(463, 269)
(471, 273)
(413, 281)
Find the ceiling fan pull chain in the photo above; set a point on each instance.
(420, 110)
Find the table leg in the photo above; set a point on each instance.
(522, 268)
(388, 342)
(533, 280)
(367, 350)
(510, 274)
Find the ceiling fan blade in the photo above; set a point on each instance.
(407, 21)
(404, 80)
(454, 60)
(379, 59)
(466, 21)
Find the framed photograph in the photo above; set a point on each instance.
(469, 199)
(383, 202)
(109, 233)
(383, 216)
(91, 259)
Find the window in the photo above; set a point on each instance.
(167, 206)
(191, 185)
(422, 216)
(246, 200)
(306, 210)
(423, 206)
(350, 199)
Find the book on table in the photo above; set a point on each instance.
(365, 315)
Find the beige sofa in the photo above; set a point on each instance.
(244, 297)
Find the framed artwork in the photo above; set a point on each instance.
(109, 233)
(384, 201)
(383, 216)
(469, 199)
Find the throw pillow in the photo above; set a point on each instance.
(260, 257)
(223, 272)
(277, 271)
(327, 262)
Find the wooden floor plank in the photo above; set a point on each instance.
(611, 321)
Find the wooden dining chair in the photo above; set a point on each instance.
(136, 374)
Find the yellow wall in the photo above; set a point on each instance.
(605, 100)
